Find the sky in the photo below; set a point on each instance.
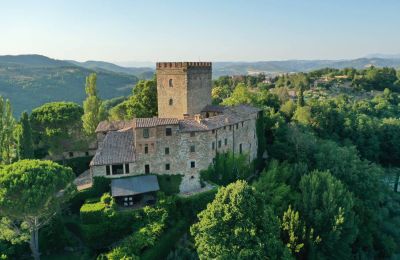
(206, 30)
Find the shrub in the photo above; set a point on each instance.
(227, 168)
(92, 212)
(100, 186)
(169, 184)
(166, 242)
(191, 206)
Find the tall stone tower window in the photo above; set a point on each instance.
(171, 101)
(170, 83)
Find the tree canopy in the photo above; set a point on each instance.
(31, 192)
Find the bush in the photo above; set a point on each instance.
(92, 212)
(228, 168)
(102, 225)
(191, 206)
(166, 242)
(169, 184)
(100, 186)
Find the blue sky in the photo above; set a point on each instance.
(215, 30)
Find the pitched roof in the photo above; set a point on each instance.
(105, 126)
(117, 147)
(154, 121)
(134, 185)
(191, 125)
(213, 108)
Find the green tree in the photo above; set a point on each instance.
(240, 95)
(237, 225)
(57, 126)
(7, 126)
(31, 192)
(24, 138)
(92, 106)
(143, 102)
(327, 208)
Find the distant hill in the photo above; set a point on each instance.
(32, 80)
(140, 72)
(235, 68)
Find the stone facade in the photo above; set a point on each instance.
(173, 143)
(183, 88)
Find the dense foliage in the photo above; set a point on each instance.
(57, 126)
(143, 102)
(31, 192)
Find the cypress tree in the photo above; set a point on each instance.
(24, 138)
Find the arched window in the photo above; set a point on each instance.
(170, 83)
(171, 102)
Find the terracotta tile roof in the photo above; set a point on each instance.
(155, 121)
(191, 125)
(231, 115)
(117, 147)
(105, 126)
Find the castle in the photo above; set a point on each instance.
(184, 138)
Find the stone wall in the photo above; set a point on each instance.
(183, 88)
(180, 155)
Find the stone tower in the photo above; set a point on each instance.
(183, 88)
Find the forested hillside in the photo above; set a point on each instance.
(31, 80)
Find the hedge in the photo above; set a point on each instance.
(111, 228)
(92, 212)
(192, 205)
(100, 186)
(166, 242)
(169, 184)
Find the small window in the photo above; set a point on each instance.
(192, 149)
(167, 167)
(147, 168)
(117, 169)
(127, 168)
(192, 134)
(213, 131)
(224, 127)
(168, 131)
(71, 154)
(213, 145)
(108, 170)
(207, 115)
(219, 144)
(166, 150)
(86, 153)
(171, 101)
(240, 148)
(242, 124)
(226, 141)
(146, 133)
(146, 149)
(237, 126)
(230, 128)
(192, 164)
(170, 83)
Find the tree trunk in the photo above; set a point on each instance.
(34, 242)
(397, 179)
